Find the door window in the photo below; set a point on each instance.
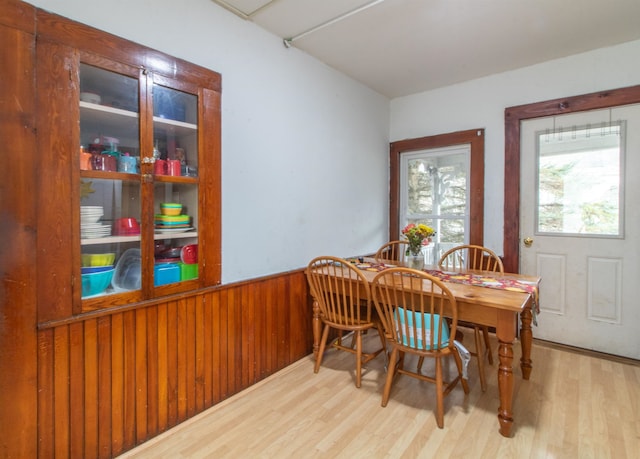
(578, 181)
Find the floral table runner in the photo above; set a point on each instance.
(479, 280)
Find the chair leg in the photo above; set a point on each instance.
(420, 362)
(383, 342)
(439, 394)
(390, 374)
(358, 339)
(458, 360)
(323, 345)
(487, 343)
(480, 357)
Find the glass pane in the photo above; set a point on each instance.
(437, 185)
(110, 189)
(110, 236)
(579, 186)
(108, 114)
(176, 234)
(176, 201)
(175, 116)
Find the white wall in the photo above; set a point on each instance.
(304, 148)
(481, 103)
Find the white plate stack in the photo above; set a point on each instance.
(90, 225)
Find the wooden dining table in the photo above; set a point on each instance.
(486, 304)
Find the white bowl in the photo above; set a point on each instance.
(90, 97)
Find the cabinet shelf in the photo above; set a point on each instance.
(120, 239)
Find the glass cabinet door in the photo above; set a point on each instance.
(139, 186)
(175, 178)
(110, 183)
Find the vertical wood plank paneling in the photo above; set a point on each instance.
(283, 323)
(129, 372)
(199, 355)
(90, 392)
(128, 376)
(152, 370)
(207, 353)
(225, 348)
(248, 305)
(46, 419)
(163, 374)
(62, 414)
(104, 387)
(182, 361)
(117, 383)
(141, 375)
(77, 380)
(213, 299)
(233, 328)
(190, 357)
(299, 311)
(260, 334)
(270, 326)
(172, 362)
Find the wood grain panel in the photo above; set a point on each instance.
(87, 347)
(18, 217)
(109, 383)
(57, 130)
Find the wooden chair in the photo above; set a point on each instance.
(412, 305)
(483, 259)
(343, 296)
(394, 250)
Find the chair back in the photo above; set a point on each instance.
(412, 306)
(341, 291)
(471, 257)
(392, 251)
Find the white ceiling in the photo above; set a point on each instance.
(401, 47)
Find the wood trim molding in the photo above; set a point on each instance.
(474, 137)
(512, 119)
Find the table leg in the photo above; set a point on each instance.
(505, 331)
(316, 329)
(526, 336)
(505, 386)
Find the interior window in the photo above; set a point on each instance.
(434, 191)
(443, 187)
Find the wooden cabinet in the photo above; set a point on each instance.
(126, 134)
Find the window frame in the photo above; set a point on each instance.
(475, 139)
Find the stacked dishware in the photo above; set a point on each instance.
(171, 219)
(90, 224)
(97, 271)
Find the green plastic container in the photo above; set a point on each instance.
(188, 271)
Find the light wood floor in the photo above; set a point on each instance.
(574, 406)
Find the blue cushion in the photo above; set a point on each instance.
(421, 320)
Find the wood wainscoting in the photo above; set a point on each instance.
(107, 383)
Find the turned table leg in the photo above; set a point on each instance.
(526, 337)
(505, 385)
(505, 331)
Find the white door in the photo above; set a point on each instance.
(580, 227)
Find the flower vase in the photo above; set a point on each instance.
(415, 260)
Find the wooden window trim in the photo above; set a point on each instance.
(473, 137)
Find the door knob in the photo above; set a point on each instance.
(528, 241)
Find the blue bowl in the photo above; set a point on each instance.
(95, 269)
(95, 283)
